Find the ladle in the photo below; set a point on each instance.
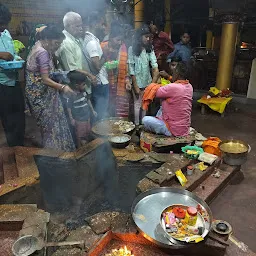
(26, 245)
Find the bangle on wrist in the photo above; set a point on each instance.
(62, 87)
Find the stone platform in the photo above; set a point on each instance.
(98, 226)
(202, 183)
(20, 168)
(18, 171)
(103, 230)
(99, 231)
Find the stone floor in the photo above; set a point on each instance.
(236, 203)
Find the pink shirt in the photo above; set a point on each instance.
(177, 107)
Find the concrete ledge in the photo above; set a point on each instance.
(211, 187)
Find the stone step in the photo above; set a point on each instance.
(211, 187)
(203, 184)
(198, 177)
(16, 213)
(18, 168)
(165, 176)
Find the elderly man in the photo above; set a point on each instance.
(70, 54)
(94, 54)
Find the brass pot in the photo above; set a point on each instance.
(234, 152)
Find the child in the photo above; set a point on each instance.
(80, 107)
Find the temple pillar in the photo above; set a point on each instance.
(138, 13)
(227, 51)
(209, 37)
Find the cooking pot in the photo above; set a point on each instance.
(120, 140)
(234, 152)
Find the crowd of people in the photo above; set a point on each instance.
(73, 80)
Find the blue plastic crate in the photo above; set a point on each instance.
(12, 64)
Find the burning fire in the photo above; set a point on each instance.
(121, 252)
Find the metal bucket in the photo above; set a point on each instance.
(234, 152)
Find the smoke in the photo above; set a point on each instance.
(85, 7)
(72, 184)
(48, 11)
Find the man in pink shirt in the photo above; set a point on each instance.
(174, 118)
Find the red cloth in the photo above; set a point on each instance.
(162, 44)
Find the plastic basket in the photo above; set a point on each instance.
(193, 156)
(111, 64)
(12, 64)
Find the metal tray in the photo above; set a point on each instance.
(148, 207)
(111, 119)
(200, 222)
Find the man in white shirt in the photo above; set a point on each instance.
(70, 54)
(94, 56)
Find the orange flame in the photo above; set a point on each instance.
(121, 252)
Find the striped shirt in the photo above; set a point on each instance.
(79, 107)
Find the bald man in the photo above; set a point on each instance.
(70, 54)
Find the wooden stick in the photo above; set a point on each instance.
(52, 244)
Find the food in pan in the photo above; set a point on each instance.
(107, 127)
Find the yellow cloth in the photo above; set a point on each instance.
(214, 90)
(164, 81)
(216, 104)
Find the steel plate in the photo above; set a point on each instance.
(148, 207)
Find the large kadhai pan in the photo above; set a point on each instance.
(111, 126)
